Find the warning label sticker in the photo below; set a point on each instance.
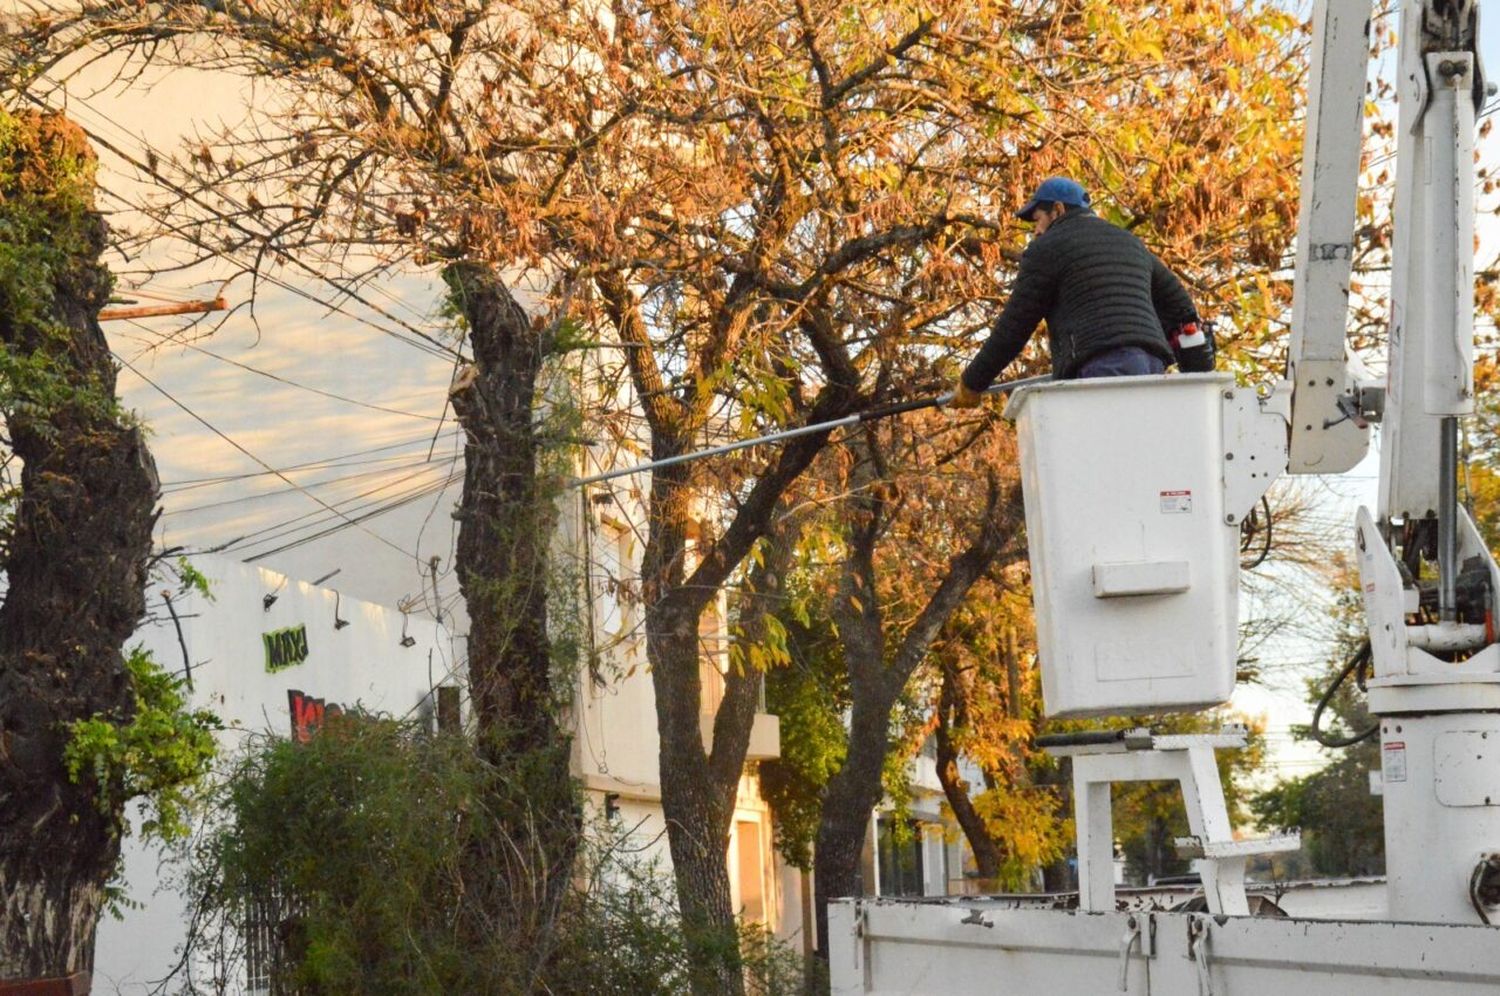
(1393, 761)
(1175, 502)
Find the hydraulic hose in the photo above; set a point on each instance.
(1358, 662)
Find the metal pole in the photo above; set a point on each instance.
(1448, 520)
(869, 415)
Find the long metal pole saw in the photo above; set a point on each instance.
(868, 415)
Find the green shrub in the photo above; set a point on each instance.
(368, 842)
(159, 755)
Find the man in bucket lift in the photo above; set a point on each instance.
(1108, 301)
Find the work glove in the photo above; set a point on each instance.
(965, 398)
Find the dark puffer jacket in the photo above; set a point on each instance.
(1097, 286)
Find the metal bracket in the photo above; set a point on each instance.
(1197, 929)
(976, 917)
(859, 933)
(1140, 931)
(1255, 450)
(1349, 411)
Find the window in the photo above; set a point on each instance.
(752, 871)
(615, 589)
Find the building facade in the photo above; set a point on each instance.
(270, 655)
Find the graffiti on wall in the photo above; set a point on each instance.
(309, 714)
(285, 647)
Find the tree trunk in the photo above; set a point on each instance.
(951, 712)
(1013, 691)
(506, 521)
(698, 809)
(852, 794)
(699, 785)
(1153, 851)
(877, 678)
(1060, 876)
(76, 555)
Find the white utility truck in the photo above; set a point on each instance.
(1136, 593)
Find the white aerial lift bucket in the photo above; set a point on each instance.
(1135, 489)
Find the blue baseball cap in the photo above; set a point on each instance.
(1059, 189)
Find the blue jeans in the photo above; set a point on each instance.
(1123, 361)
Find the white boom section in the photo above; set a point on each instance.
(1432, 289)
(1324, 439)
(1448, 209)
(1436, 684)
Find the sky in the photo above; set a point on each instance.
(348, 412)
(351, 415)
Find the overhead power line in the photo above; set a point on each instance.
(357, 520)
(345, 508)
(325, 482)
(224, 436)
(292, 383)
(340, 460)
(315, 524)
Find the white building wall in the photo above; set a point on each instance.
(361, 663)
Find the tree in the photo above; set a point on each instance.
(1340, 818)
(1480, 477)
(952, 715)
(890, 601)
(366, 886)
(810, 696)
(648, 165)
(829, 223)
(506, 517)
(989, 710)
(862, 145)
(761, 201)
(1157, 172)
(83, 726)
(414, 134)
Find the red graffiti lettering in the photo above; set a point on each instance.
(309, 714)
